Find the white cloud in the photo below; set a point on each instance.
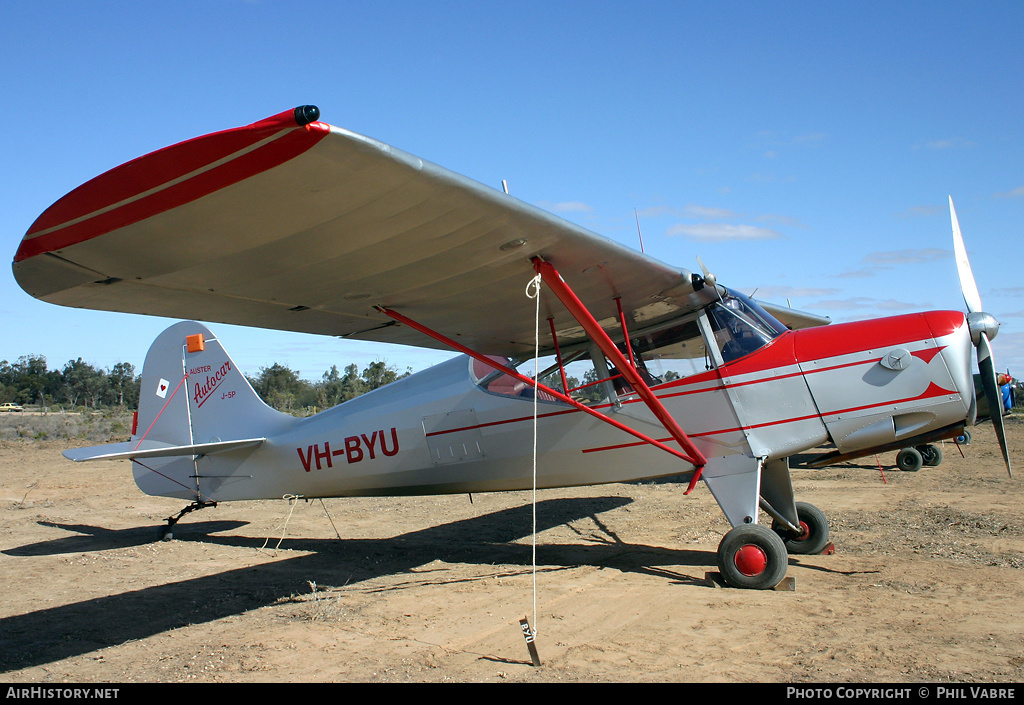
(894, 258)
(862, 273)
(922, 211)
(771, 293)
(1015, 193)
(710, 212)
(569, 207)
(722, 232)
(779, 220)
(867, 303)
(692, 210)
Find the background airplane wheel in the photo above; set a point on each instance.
(752, 556)
(909, 460)
(812, 520)
(931, 455)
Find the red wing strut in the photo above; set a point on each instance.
(585, 319)
(554, 280)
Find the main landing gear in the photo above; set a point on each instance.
(756, 557)
(752, 556)
(913, 459)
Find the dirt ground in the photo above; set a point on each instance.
(926, 582)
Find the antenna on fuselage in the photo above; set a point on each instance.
(639, 234)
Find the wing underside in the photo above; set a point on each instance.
(311, 227)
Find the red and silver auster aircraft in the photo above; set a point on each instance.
(647, 370)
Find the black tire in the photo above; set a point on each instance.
(752, 556)
(909, 460)
(816, 533)
(931, 455)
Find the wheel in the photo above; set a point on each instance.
(931, 455)
(964, 438)
(752, 556)
(815, 531)
(909, 460)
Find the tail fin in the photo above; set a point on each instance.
(192, 392)
(193, 402)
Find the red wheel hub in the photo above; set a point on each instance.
(805, 531)
(751, 560)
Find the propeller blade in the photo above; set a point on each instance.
(995, 400)
(967, 284)
(708, 276)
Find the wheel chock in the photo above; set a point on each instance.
(714, 579)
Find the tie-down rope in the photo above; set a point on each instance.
(533, 292)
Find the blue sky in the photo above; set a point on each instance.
(805, 150)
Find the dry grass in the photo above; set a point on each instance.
(93, 426)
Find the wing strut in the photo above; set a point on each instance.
(544, 388)
(554, 280)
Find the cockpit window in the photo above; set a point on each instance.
(581, 381)
(671, 353)
(741, 326)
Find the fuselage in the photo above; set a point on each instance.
(858, 386)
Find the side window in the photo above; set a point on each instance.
(672, 353)
(581, 379)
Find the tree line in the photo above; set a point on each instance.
(29, 381)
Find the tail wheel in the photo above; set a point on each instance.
(752, 556)
(814, 526)
(931, 455)
(909, 460)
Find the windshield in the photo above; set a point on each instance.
(741, 326)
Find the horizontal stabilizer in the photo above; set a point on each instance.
(132, 450)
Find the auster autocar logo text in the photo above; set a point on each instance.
(203, 390)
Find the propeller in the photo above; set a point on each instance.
(984, 328)
(710, 278)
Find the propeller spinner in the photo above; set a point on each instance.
(984, 328)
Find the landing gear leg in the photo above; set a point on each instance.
(752, 556)
(931, 455)
(166, 532)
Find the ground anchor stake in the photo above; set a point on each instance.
(530, 643)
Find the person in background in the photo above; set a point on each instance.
(1005, 383)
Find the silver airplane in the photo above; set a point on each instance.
(626, 368)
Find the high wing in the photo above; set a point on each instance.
(294, 224)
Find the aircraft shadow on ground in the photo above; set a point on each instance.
(56, 633)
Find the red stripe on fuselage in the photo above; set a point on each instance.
(816, 344)
(932, 392)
